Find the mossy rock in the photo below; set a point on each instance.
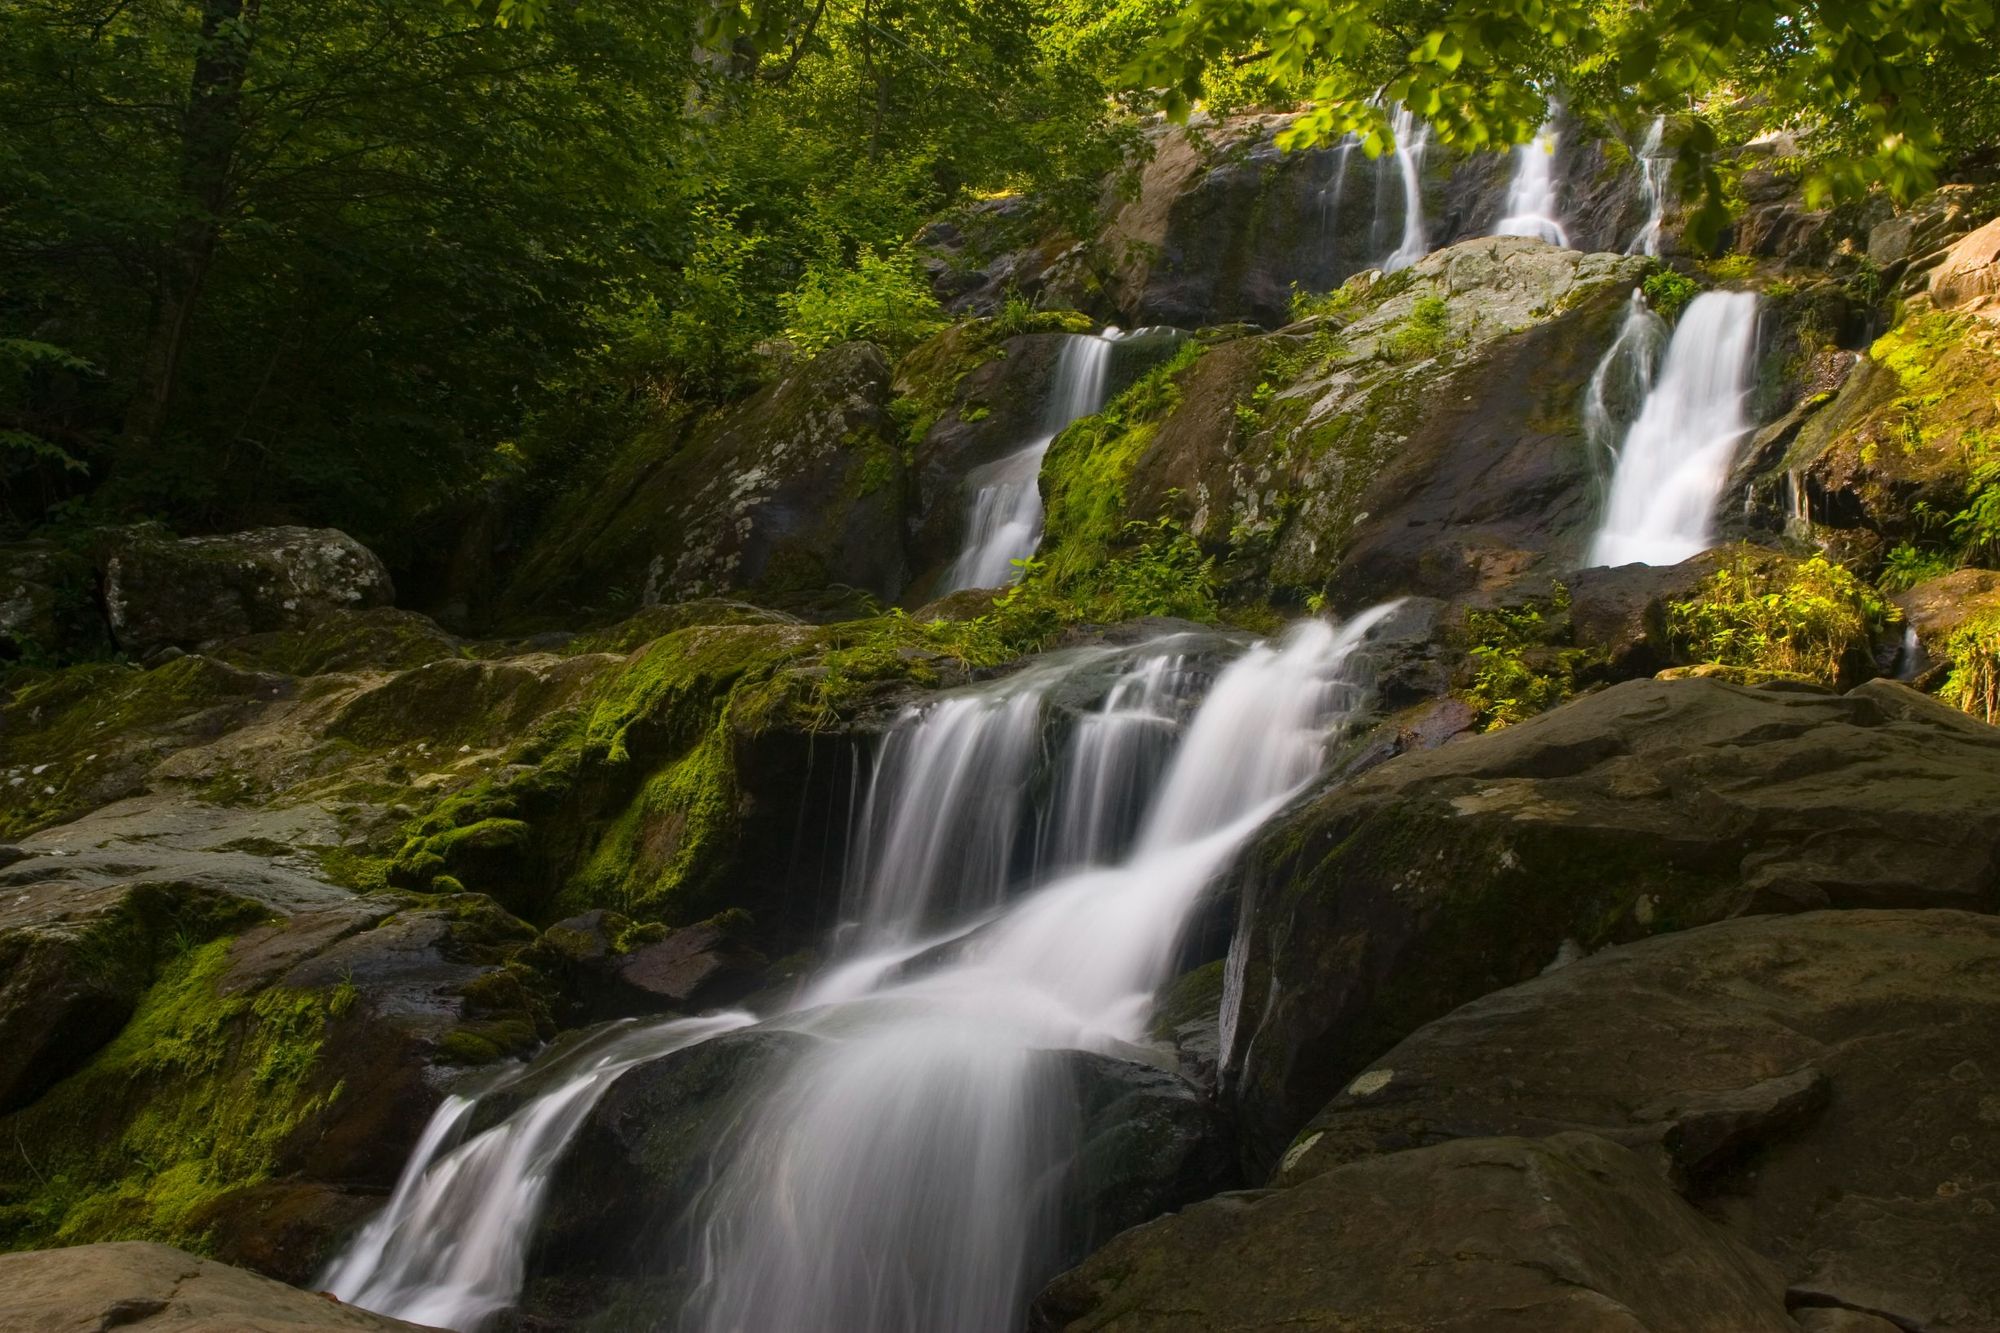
(383, 639)
(796, 489)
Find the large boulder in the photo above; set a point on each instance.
(1572, 1234)
(794, 490)
(1652, 805)
(1968, 279)
(158, 1289)
(1825, 1085)
(162, 592)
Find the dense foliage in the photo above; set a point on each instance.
(341, 262)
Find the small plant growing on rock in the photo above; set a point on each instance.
(1669, 292)
(1521, 662)
(1973, 684)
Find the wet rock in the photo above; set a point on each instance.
(162, 592)
(1822, 1084)
(796, 489)
(1480, 1236)
(1649, 806)
(1148, 1143)
(147, 1287)
(695, 967)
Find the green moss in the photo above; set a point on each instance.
(201, 1095)
(1087, 467)
(1423, 334)
(77, 724)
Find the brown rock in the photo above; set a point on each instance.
(158, 1289)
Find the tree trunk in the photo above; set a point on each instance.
(211, 126)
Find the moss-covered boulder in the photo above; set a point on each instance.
(269, 1067)
(1649, 806)
(1891, 459)
(162, 592)
(796, 489)
(1421, 436)
(1822, 1084)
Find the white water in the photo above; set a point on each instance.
(451, 1248)
(905, 1175)
(1654, 169)
(1534, 207)
(1413, 139)
(1003, 521)
(1676, 457)
(907, 1172)
(1624, 377)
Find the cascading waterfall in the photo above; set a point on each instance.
(1413, 138)
(1622, 380)
(1004, 518)
(907, 1172)
(451, 1248)
(1533, 202)
(1654, 169)
(1334, 194)
(1676, 457)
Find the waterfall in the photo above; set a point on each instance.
(1677, 455)
(451, 1248)
(1533, 206)
(1654, 169)
(1003, 521)
(1331, 197)
(906, 1171)
(905, 1174)
(1622, 380)
(1412, 139)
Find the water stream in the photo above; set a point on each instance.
(1003, 522)
(906, 1172)
(1413, 138)
(1655, 167)
(1534, 205)
(1676, 457)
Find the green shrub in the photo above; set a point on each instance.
(1808, 620)
(1906, 566)
(880, 298)
(1519, 664)
(1973, 683)
(1669, 292)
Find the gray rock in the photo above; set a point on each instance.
(1571, 1234)
(1826, 1085)
(798, 488)
(1650, 806)
(160, 592)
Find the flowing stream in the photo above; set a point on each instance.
(1533, 197)
(1654, 168)
(1676, 457)
(1003, 521)
(1413, 138)
(906, 1171)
